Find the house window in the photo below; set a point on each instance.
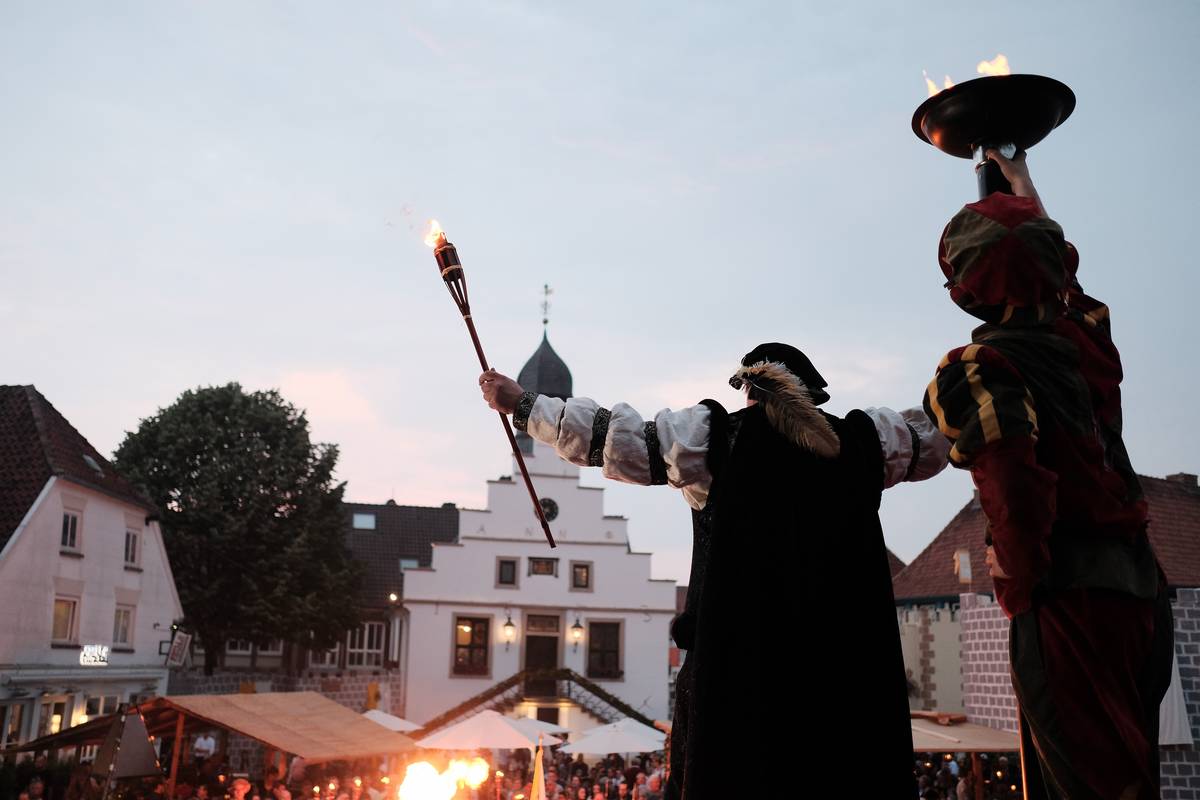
(506, 572)
(123, 625)
(98, 706)
(324, 658)
(364, 647)
(51, 718)
(11, 717)
(543, 566)
(364, 522)
(70, 530)
(272, 648)
(604, 650)
(581, 575)
(65, 612)
(131, 547)
(237, 647)
(471, 645)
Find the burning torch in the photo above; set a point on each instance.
(456, 282)
(1007, 112)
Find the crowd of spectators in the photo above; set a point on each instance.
(205, 777)
(949, 777)
(610, 778)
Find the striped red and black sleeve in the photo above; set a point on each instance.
(981, 404)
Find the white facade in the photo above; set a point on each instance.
(467, 582)
(96, 590)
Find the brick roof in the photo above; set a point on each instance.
(1174, 532)
(37, 442)
(894, 562)
(400, 532)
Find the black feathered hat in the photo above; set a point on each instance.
(796, 362)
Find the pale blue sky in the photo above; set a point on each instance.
(201, 192)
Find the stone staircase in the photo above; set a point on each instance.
(510, 692)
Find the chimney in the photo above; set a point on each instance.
(975, 500)
(1186, 478)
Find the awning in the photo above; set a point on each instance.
(305, 724)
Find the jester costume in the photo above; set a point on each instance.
(1033, 408)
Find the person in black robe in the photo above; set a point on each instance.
(793, 647)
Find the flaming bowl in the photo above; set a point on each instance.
(1004, 109)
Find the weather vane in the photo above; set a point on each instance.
(546, 292)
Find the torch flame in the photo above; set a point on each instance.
(436, 235)
(933, 87)
(997, 66)
(422, 781)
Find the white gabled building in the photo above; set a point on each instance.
(86, 594)
(500, 601)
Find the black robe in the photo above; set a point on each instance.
(793, 647)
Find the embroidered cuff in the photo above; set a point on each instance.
(658, 466)
(599, 434)
(520, 419)
(916, 452)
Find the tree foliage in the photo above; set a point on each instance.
(251, 516)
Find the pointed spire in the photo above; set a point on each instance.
(545, 372)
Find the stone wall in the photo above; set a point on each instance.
(988, 697)
(929, 641)
(1180, 763)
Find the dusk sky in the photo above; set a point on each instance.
(196, 193)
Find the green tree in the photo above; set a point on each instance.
(251, 516)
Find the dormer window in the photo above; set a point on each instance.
(364, 522)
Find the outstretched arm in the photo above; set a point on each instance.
(670, 449)
(913, 448)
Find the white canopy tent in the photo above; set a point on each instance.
(391, 721)
(487, 729)
(624, 736)
(536, 726)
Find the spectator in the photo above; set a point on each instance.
(239, 789)
(203, 747)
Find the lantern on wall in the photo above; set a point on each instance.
(576, 633)
(510, 632)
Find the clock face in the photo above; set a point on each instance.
(549, 508)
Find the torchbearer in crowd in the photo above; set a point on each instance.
(1033, 409)
(789, 623)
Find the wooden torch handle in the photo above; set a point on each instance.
(512, 439)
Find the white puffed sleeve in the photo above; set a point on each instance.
(913, 448)
(672, 449)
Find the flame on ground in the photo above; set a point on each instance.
(436, 235)
(422, 781)
(997, 66)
